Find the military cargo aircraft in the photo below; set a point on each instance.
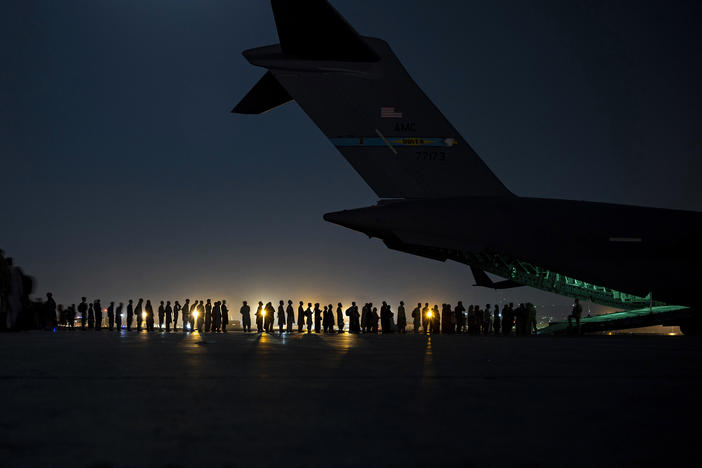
(642, 261)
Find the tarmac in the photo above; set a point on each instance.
(118, 399)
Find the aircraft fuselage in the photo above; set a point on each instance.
(633, 249)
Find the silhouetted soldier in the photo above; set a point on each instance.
(291, 315)
(575, 314)
(317, 319)
(354, 318)
(340, 318)
(139, 312)
(259, 317)
(216, 316)
(245, 312)
(149, 310)
(98, 315)
(118, 316)
(497, 320)
(281, 316)
(308, 317)
(168, 313)
(300, 317)
(111, 316)
(185, 311)
(208, 315)
(225, 316)
(161, 314)
(83, 311)
(176, 309)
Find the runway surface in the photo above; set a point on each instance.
(106, 399)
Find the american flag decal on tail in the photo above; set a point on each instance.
(390, 113)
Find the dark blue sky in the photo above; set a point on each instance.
(125, 175)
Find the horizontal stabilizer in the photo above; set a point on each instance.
(314, 30)
(267, 94)
(482, 279)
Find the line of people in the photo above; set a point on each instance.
(206, 316)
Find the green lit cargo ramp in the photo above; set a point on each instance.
(637, 318)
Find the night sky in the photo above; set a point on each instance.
(125, 175)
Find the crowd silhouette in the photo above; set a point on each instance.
(206, 316)
(18, 312)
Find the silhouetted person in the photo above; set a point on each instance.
(269, 318)
(354, 318)
(201, 313)
(168, 313)
(259, 317)
(216, 316)
(507, 319)
(111, 316)
(83, 311)
(365, 318)
(487, 320)
(118, 316)
(401, 318)
(328, 319)
(98, 314)
(317, 319)
(72, 316)
(300, 317)
(374, 319)
(49, 312)
(497, 320)
(531, 319)
(281, 317)
(185, 311)
(519, 320)
(385, 318)
(140, 314)
(291, 316)
(460, 317)
(575, 314)
(340, 318)
(245, 312)
(417, 317)
(149, 316)
(425, 317)
(161, 314)
(176, 311)
(435, 320)
(308, 317)
(225, 316)
(208, 315)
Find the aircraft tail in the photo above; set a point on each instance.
(358, 93)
